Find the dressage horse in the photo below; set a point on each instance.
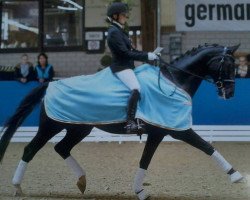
(213, 63)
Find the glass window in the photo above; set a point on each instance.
(63, 23)
(19, 24)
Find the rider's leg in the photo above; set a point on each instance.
(192, 138)
(129, 79)
(132, 126)
(74, 135)
(153, 141)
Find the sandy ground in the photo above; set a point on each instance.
(177, 171)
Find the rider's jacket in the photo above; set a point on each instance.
(123, 54)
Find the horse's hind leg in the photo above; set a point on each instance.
(47, 129)
(153, 141)
(192, 138)
(74, 135)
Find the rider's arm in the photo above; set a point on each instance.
(118, 45)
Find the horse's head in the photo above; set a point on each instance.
(222, 70)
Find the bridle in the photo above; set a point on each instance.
(219, 83)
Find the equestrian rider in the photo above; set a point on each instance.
(123, 57)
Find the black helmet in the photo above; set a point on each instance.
(117, 8)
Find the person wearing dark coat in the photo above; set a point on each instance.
(24, 71)
(123, 57)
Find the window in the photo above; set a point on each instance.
(19, 24)
(63, 23)
(55, 25)
(41, 25)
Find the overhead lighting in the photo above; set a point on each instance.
(10, 2)
(22, 26)
(73, 3)
(66, 8)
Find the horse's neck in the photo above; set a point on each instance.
(195, 64)
(186, 81)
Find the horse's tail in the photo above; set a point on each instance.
(24, 109)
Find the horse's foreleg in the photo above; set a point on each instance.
(153, 141)
(192, 138)
(75, 134)
(47, 129)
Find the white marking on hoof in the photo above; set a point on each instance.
(18, 191)
(236, 177)
(141, 195)
(81, 184)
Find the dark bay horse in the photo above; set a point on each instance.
(187, 72)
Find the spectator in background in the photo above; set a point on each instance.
(44, 71)
(248, 59)
(243, 70)
(24, 71)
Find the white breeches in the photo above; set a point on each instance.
(128, 77)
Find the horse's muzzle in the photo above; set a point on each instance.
(227, 91)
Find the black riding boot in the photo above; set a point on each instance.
(132, 126)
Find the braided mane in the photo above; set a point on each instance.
(194, 51)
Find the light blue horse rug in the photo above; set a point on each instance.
(102, 98)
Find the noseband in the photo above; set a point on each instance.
(220, 82)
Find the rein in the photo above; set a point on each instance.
(172, 77)
(218, 83)
(159, 82)
(187, 72)
(192, 74)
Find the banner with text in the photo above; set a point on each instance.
(212, 15)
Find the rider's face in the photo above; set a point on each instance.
(122, 18)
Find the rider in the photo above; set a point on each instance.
(123, 57)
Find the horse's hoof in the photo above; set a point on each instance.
(141, 195)
(18, 191)
(236, 177)
(81, 184)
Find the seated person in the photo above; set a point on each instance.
(24, 71)
(248, 64)
(44, 72)
(242, 71)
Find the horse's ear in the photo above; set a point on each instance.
(231, 50)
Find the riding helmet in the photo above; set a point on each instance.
(117, 8)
